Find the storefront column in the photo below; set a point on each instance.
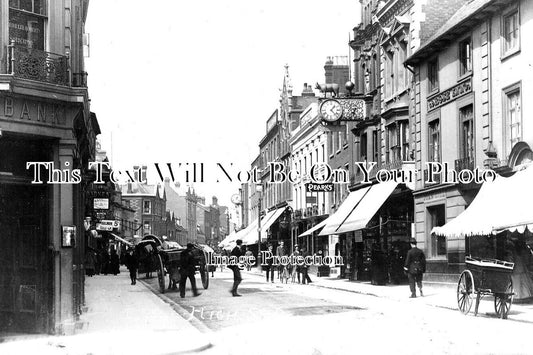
(63, 216)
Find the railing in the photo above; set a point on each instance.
(464, 164)
(37, 65)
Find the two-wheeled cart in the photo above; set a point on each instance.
(486, 277)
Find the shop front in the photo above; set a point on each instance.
(374, 226)
(498, 224)
(41, 219)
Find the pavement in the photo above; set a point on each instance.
(120, 319)
(436, 294)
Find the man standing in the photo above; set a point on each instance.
(415, 266)
(237, 252)
(304, 267)
(132, 264)
(187, 270)
(280, 251)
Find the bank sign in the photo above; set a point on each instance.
(32, 111)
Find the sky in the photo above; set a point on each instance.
(183, 82)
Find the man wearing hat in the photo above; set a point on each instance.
(187, 270)
(237, 252)
(415, 266)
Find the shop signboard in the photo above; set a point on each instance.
(101, 203)
(107, 225)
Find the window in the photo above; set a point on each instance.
(404, 140)
(433, 75)
(513, 117)
(393, 148)
(27, 23)
(436, 218)
(465, 56)
(147, 207)
(466, 121)
(511, 32)
(363, 147)
(375, 145)
(147, 228)
(434, 141)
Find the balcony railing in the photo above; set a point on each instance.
(38, 65)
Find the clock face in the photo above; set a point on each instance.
(331, 110)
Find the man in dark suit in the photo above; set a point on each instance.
(415, 266)
(237, 252)
(187, 270)
(304, 268)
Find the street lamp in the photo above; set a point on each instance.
(259, 189)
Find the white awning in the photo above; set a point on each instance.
(367, 208)
(249, 235)
(267, 223)
(334, 221)
(121, 239)
(314, 229)
(502, 204)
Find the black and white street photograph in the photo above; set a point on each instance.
(281, 177)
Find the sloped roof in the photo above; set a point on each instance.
(140, 190)
(461, 18)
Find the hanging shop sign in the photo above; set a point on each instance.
(101, 203)
(107, 225)
(324, 187)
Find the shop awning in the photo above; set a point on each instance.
(500, 205)
(250, 235)
(314, 229)
(367, 207)
(122, 240)
(267, 223)
(335, 220)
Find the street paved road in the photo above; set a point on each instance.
(301, 319)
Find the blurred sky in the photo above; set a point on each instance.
(195, 81)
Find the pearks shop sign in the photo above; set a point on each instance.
(449, 95)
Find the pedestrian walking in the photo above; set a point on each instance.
(90, 262)
(415, 266)
(304, 268)
(237, 252)
(105, 262)
(248, 254)
(268, 265)
(280, 252)
(132, 263)
(187, 270)
(295, 268)
(114, 263)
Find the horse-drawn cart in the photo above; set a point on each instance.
(153, 257)
(486, 277)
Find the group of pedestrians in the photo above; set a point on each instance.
(101, 262)
(292, 271)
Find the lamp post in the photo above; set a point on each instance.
(259, 189)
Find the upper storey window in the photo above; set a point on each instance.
(26, 23)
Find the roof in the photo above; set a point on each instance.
(464, 17)
(141, 190)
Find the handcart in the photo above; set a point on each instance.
(486, 277)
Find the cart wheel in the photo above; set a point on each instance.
(204, 274)
(465, 292)
(503, 301)
(160, 274)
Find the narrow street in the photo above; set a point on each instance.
(267, 318)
